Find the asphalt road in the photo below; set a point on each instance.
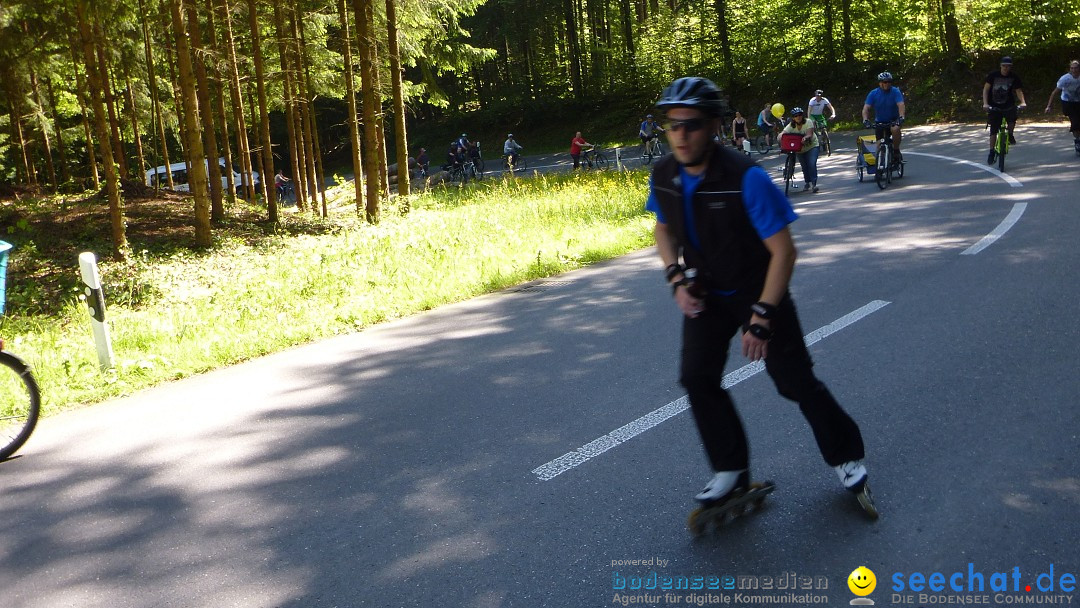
(506, 451)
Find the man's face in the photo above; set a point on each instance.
(689, 135)
(1074, 68)
(885, 85)
(1005, 67)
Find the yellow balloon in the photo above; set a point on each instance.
(777, 110)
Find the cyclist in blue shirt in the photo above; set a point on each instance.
(648, 130)
(888, 105)
(718, 212)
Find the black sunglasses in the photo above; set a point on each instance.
(690, 124)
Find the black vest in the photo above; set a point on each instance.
(732, 256)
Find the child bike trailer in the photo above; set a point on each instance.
(865, 161)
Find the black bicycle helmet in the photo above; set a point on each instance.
(885, 77)
(797, 111)
(692, 92)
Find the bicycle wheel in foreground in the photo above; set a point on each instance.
(762, 145)
(20, 403)
(600, 161)
(884, 162)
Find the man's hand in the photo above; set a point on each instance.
(688, 304)
(753, 347)
(866, 123)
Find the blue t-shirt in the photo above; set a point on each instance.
(884, 104)
(769, 210)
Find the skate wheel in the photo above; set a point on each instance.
(695, 522)
(866, 501)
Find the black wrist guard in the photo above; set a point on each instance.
(677, 284)
(763, 310)
(672, 270)
(760, 331)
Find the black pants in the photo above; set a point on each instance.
(704, 353)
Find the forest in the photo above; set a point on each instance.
(95, 93)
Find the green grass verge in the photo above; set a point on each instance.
(178, 314)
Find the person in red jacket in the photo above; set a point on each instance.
(575, 148)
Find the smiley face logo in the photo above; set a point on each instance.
(862, 581)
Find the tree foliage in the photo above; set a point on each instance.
(271, 86)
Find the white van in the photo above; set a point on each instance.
(180, 179)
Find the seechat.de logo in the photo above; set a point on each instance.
(862, 582)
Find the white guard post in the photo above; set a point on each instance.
(95, 304)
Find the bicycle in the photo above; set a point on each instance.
(285, 193)
(457, 173)
(886, 162)
(472, 170)
(519, 164)
(476, 157)
(764, 142)
(1001, 142)
(651, 148)
(595, 158)
(20, 398)
(824, 143)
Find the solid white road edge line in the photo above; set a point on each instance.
(997, 233)
(627, 432)
(1012, 181)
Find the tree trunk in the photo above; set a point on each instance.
(316, 149)
(849, 43)
(243, 145)
(135, 127)
(725, 43)
(953, 46)
(119, 155)
(291, 123)
(83, 96)
(197, 178)
(159, 124)
(306, 111)
(221, 121)
(830, 42)
(206, 112)
(365, 24)
(269, 192)
(44, 125)
(573, 49)
(400, 137)
(11, 85)
(60, 145)
(628, 32)
(350, 93)
(112, 185)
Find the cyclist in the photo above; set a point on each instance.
(888, 105)
(1069, 87)
(575, 149)
(455, 156)
(464, 142)
(816, 108)
(764, 125)
(999, 94)
(510, 149)
(423, 162)
(808, 154)
(648, 130)
(281, 183)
